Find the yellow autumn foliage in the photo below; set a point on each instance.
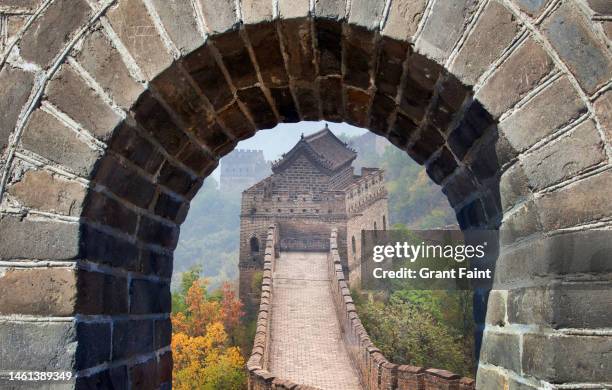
(203, 358)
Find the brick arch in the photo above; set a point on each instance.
(119, 109)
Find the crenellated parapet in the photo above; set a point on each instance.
(376, 372)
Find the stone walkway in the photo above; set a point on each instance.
(306, 344)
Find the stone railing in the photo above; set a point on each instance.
(259, 376)
(376, 372)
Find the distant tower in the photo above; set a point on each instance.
(242, 168)
(312, 189)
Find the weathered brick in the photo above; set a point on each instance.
(134, 26)
(16, 86)
(49, 138)
(124, 182)
(331, 9)
(309, 104)
(27, 4)
(501, 349)
(154, 232)
(204, 69)
(496, 308)
(514, 384)
(94, 344)
(103, 62)
(357, 103)
(495, 29)
(603, 109)
(132, 337)
(391, 57)
(149, 297)
(329, 45)
(601, 6)
(100, 293)
(182, 98)
(54, 295)
(572, 252)
(444, 27)
(504, 150)
(403, 18)
(164, 369)
(256, 11)
(215, 138)
(513, 186)
(220, 15)
(48, 34)
(548, 111)
(14, 24)
(566, 206)
(195, 158)
(236, 58)
(570, 33)
(521, 223)
(561, 305)
(103, 210)
(472, 215)
(176, 179)
(114, 378)
(607, 27)
(168, 206)
(532, 7)
(152, 262)
(558, 359)
(46, 192)
(401, 130)
(487, 378)
(144, 375)
(331, 95)
(288, 9)
(68, 92)
(266, 46)
(105, 248)
(563, 158)
(358, 54)
(259, 107)
(459, 186)
(37, 346)
(366, 13)
(421, 77)
(521, 72)
(163, 333)
(179, 20)
(442, 166)
(285, 104)
(151, 115)
(24, 238)
(128, 143)
(296, 36)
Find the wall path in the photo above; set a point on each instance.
(306, 340)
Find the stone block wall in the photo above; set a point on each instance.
(375, 212)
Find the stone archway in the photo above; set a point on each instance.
(113, 112)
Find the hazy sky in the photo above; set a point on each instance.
(278, 140)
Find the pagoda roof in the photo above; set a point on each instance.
(323, 148)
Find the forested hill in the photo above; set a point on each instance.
(414, 200)
(209, 236)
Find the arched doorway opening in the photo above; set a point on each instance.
(254, 245)
(114, 124)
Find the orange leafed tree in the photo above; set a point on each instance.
(203, 355)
